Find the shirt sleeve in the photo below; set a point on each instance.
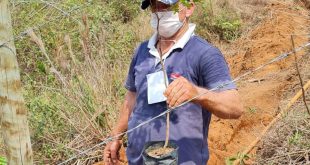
(215, 71)
(130, 81)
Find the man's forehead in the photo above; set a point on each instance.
(157, 2)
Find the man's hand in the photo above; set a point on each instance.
(111, 152)
(179, 91)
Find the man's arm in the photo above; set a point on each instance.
(125, 112)
(225, 104)
(112, 148)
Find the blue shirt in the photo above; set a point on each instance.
(201, 64)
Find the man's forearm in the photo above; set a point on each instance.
(125, 113)
(121, 126)
(226, 104)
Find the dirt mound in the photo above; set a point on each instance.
(262, 93)
(271, 38)
(288, 141)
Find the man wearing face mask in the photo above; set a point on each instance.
(192, 67)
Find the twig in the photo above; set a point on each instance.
(299, 76)
(37, 40)
(289, 154)
(211, 8)
(165, 79)
(284, 111)
(143, 123)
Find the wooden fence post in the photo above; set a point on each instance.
(13, 113)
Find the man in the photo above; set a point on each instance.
(192, 67)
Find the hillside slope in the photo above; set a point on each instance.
(261, 92)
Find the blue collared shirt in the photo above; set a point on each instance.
(200, 63)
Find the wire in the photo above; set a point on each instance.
(25, 32)
(276, 59)
(5, 46)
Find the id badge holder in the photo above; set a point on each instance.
(156, 87)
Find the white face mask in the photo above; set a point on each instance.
(169, 23)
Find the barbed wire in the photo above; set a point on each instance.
(109, 139)
(37, 27)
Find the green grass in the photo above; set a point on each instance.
(59, 114)
(3, 161)
(295, 138)
(252, 110)
(67, 118)
(240, 156)
(223, 22)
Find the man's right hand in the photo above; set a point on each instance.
(111, 152)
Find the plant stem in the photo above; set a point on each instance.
(299, 76)
(168, 114)
(211, 8)
(165, 79)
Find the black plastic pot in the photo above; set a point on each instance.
(167, 159)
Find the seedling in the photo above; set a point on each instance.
(252, 110)
(240, 156)
(295, 138)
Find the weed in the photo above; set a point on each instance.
(252, 110)
(75, 107)
(90, 55)
(3, 160)
(240, 156)
(295, 138)
(225, 22)
(228, 28)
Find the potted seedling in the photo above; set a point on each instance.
(161, 152)
(158, 153)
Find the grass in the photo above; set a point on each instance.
(289, 140)
(240, 156)
(252, 110)
(224, 23)
(3, 160)
(295, 138)
(73, 98)
(73, 67)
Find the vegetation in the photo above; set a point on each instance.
(74, 62)
(288, 141)
(2, 160)
(240, 156)
(73, 69)
(219, 21)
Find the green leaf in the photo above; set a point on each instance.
(41, 67)
(230, 160)
(3, 161)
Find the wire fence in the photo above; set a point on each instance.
(105, 141)
(286, 142)
(25, 32)
(276, 59)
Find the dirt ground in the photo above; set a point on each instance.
(261, 93)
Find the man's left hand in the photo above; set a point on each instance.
(179, 91)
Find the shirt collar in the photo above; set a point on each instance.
(179, 44)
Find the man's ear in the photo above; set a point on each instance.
(190, 9)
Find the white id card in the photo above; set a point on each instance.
(156, 87)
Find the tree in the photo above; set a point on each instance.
(13, 113)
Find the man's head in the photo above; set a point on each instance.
(170, 21)
(164, 5)
(146, 3)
